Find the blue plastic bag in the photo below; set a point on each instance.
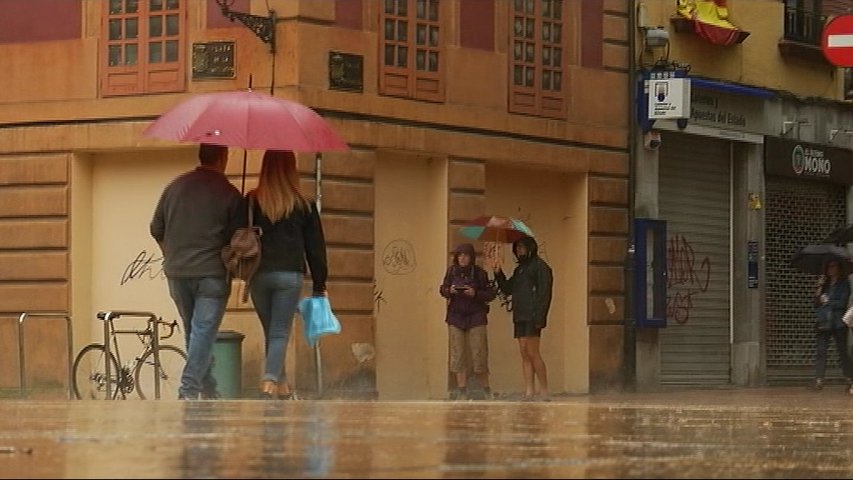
(317, 318)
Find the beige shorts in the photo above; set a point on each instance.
(477, 340)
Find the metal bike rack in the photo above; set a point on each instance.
(21, 357)
(107, 317)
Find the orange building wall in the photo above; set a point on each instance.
(52, 116)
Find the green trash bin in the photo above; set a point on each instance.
(228, 363)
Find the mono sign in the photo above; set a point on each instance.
(808, 161)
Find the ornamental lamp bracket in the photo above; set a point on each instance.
(262, 27)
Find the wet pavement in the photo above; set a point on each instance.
(728, 433)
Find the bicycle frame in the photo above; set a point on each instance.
(110, 333)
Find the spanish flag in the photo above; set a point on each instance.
(710, 21)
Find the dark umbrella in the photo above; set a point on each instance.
(812, 258)
(840, 236)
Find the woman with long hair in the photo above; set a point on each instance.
(291, 235)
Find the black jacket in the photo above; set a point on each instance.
(290, 242)
(530, 287)
(193, 220)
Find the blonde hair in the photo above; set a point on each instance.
(278, 186)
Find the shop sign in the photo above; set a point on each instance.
(808, 161)
(669, 98)
(718, 110)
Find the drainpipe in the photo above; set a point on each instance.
(629, 361)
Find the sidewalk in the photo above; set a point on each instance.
(785, 432)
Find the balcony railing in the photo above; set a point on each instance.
(803, 26)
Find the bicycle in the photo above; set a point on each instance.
(90, 378)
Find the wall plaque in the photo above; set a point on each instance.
(213, 60)
(346, 72)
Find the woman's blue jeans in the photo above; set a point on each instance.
(201, 303)
(276, 296)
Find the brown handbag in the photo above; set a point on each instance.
(242, 255)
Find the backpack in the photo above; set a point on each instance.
(242, 255)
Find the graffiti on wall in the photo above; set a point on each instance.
(378, 297)
(145, 266)
(687, 277)
(398, 258)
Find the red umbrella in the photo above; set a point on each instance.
(249, 120)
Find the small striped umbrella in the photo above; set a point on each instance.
(495, 228)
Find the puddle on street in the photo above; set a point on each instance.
(663, 436)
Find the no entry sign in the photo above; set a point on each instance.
(837, 41)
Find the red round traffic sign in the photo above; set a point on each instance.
(837, 41)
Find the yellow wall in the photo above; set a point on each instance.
(116, 263)
(756, 61)
(554, 206)
(411, 253)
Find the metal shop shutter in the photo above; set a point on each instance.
(695, 184)
(797, 213)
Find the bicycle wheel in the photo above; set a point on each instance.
(90, 374)
(172, 360)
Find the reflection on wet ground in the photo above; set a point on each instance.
(772, 433)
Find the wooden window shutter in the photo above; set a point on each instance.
(537, 53)
(166, 46)
(427, 52)
(411, 59)
(120, 34)
(144, 47)
(394, 70)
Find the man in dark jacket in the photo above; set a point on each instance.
(530, 289)
(468, 290)
(194, 219)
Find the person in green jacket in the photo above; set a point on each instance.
(530, 289)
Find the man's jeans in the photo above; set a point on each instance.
(275, 296)
(822, 348)
(201, 304)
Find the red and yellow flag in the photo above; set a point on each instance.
(710, 21)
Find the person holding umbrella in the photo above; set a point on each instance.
(292, 235)
(830, 300)
(194, 218)
(530, 288)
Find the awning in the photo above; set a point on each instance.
(710, 21)
(731, 88)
